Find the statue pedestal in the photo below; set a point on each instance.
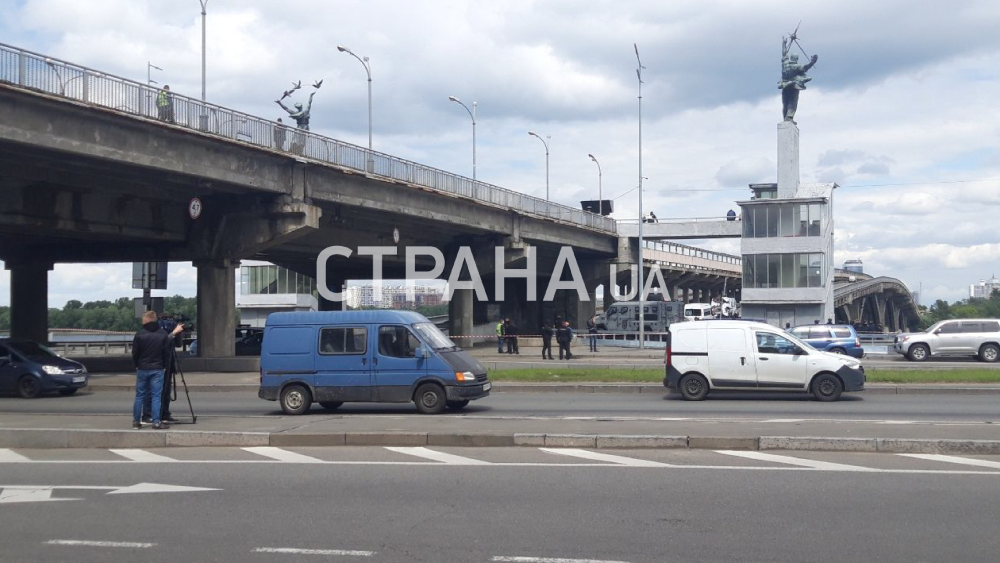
(788, 159)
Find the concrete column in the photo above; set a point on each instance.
(29, 300)
(880, 308)
(217, 308)
(460, 313)
(326, 305)
(609, 298)
(671, 290)
(788, 159)
(897, 319)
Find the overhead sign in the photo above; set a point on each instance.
(195, 208)
(149, 275)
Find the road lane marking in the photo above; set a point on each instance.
(784, 420)
(810, 463)
(510, 559)
(142, 456)
(956, 459)
(595, 456)
(282, 455)
(442, 457)
(10, 495)
(8, 456)
(297, 551)
(88, 543)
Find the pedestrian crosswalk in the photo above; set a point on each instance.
(514, 457)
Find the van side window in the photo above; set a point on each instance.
(343, 340)
(397, 342)
(992, 326)
(769, 343)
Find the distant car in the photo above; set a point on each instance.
(839, 339)
(31, 369)
(979, 338)
(248, 342)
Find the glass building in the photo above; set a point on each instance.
(266, 288)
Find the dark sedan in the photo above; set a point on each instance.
(31, 369)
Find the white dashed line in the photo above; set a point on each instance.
(87, 543)
(810, 463)
(956, 459)
(439, 456)
(8, 456)
(297, 551)
(595, 456)
(142, 456)
(549, 560)
(282, 455)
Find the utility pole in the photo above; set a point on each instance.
(642, 276)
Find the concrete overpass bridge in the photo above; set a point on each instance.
(882, 300)
(91, 174)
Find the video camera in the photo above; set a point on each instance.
(168, 322)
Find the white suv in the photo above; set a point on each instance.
(960, 337)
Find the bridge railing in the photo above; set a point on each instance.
(693, 252)
(60, 78)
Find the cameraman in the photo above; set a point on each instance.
(152, 349)
(167, 323)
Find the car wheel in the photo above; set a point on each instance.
(989, 353)
(918, 353)
(67, 392)
(693, 387)
(827, 387)
(28, 387)
(458, 405)
(295, 399)
(837, 351)
(430, 398)
(331, 405)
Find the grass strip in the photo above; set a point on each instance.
(655, 375)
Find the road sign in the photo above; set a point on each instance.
(149, 275)
(195, 208)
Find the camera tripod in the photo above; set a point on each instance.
(176, 364)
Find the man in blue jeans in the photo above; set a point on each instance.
(151, 350)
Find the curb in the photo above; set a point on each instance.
(621, 388)
(46, 438)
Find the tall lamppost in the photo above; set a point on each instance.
(368, 69)
(472, 114)
(149, 73)
(533, 134)
(642, 281)
(600, 188)
(204, 5)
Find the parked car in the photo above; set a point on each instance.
(335, 357)
(703, 356)
(698, 311)
(839, 339)
(962, 337)
(31, 369)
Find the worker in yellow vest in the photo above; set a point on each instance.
(165, 104)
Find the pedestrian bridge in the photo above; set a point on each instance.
(682, 228)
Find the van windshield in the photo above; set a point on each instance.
(433, 336)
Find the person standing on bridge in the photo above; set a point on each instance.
(151, 353)
(165, 104)
(278, 132)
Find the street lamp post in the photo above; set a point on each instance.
(600, 188)
(642, 281)
(533, 134)
(149, 73)
(204, 14)
(472, 114)
(368, 69)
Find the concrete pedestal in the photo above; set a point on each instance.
(788, 160)
(29, 300)
(216, 309)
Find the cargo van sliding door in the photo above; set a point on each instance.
(343, 365)
(396, 365)
(730, 358)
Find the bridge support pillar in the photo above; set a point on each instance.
(880, 309)
(897, 319)
(326, 305)
(29, 300)
(216, 308)
(460, 313)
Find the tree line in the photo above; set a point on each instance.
(941, 310)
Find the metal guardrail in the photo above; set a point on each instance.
(722, 218)
(692, 251)
(60, 78)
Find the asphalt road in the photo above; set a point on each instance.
(857, 406)
(399, 508)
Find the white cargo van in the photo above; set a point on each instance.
(743, 355)
(698, 311)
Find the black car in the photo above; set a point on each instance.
(31, 369)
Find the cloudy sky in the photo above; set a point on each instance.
(901, 112)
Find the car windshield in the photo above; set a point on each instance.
(32, 350)
(433, 336)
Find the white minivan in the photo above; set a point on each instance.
(743, 355)
(697, 311)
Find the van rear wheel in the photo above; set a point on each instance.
(430, 398)
(295, 399)
(693, 387)
(827, 387)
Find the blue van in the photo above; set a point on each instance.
(337, 357)
(839, 339)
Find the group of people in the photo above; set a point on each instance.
(507, 333)
(153, 355)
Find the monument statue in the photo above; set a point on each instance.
(299, 114)
(793, 76)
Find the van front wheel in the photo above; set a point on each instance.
(430, 399)
(295, 399)
(693, 387)
(827, 387)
